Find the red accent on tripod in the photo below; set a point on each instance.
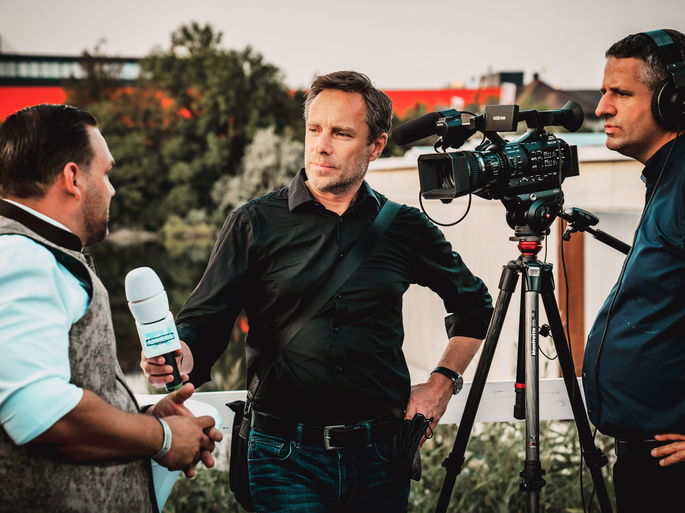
(529, 247)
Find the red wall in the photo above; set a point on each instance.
(433, 99)
(14, 98)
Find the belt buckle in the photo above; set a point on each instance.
(327, 436)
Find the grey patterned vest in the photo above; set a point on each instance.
(30, 479)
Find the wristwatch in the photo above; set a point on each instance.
(456, 377)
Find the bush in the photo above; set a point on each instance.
(489, 481)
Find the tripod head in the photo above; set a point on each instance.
(531, 214)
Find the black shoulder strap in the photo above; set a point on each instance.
(362, 249)
(349, 263)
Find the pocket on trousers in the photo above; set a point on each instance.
(263, 447)
(384, 451)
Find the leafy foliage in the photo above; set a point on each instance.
(489, 481)
(185, 124)
(269, 163)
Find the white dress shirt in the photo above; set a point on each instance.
(39, 302)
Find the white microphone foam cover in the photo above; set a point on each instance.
(146, 296)
(142, 283)
(150, 310)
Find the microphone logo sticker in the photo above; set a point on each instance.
(155, 338)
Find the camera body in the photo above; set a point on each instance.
(498, 169)
(539, 163)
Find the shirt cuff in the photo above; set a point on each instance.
(33, 409)
(201, 372)
(473, 324)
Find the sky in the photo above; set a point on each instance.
(400, 44)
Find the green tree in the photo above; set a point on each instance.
(100, 79)
(185, 124)
(270, 162)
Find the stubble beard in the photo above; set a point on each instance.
(96, 221)
(348, 181)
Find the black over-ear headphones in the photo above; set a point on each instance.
(668, 101)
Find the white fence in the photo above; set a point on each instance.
(496, 404)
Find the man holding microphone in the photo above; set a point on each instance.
(73, 438)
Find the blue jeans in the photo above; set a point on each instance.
(286, 476)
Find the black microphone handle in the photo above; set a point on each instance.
(170, 359)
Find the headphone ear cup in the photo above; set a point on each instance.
(668, 105)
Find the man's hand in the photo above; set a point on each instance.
(158, 373)
(670, 453)
(173, 404)
(430, 399)
(189, 441)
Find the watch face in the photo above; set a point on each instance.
(457, 384)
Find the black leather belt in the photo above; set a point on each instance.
(636, 449)
(330, 437)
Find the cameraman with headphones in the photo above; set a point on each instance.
(634, 366)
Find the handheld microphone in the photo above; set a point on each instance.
(149, 305)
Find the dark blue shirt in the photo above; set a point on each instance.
(635, 380)
(346, 364)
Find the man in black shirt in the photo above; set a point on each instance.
(634, 366)
(345, 368)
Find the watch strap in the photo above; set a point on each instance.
(451, 374)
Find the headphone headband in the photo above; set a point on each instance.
(668, 101)
(670, 55)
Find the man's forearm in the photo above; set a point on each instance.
(459, 353)
(431, 398)
(457, 356)
(95, 430)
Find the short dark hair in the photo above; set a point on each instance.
(37, 142)
(641, 46)
(378, 104)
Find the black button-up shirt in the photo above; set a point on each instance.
(346, 364)
(637, 386)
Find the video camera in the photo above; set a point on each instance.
(537, 161)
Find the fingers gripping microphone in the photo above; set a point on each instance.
(149, 305)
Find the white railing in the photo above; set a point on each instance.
(496, 404)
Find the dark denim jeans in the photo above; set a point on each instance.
(289, 477)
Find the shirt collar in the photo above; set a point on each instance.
(653, 166)
(298, 193)
(41, 224)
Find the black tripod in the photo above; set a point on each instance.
(537, 282)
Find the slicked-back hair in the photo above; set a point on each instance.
(378, 104)
(641, 46)
(37, 142)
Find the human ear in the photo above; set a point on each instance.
(71, 180)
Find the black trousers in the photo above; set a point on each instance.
(644, 486)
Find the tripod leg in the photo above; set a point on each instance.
(594, 457)
(532, 481)
(520, 383)
(454, 462)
